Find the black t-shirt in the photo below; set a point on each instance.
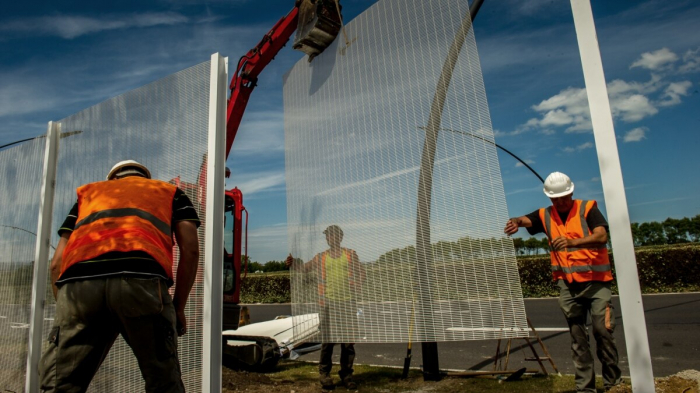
(594, 219)
(137, 263)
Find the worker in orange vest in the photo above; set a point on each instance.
(339, 275)
(111, 272)
(577, 233)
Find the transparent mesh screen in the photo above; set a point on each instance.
(21, 169)
(163, 125)
(356, 121)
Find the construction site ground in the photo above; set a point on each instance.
(302, 377)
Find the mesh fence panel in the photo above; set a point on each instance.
(20, 192)
(163, 125)
(356, 120)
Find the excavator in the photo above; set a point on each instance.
(317, 24)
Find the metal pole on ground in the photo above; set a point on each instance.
(41, 259)
(214, 231)
(615, 200)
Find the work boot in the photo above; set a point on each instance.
(349, 383)
(326, 382)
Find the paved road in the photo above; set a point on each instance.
(673, 325)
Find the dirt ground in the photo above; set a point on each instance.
(300, 377)
(687, 381)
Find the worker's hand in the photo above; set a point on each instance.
(181, 322)
(511, 226)
(289, 261)
(560, 243)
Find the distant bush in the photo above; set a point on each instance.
(661, 269)
(265, 288)
(669, 268)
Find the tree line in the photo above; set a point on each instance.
(268, 267)
(670, 231)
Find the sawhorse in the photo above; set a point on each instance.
(535, 357)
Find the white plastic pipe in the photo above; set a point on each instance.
(615, 201)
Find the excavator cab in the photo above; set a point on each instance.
(319, 24)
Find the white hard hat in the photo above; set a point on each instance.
(558, 185)
(128, 167)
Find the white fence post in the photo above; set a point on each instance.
(615, 200)
(214, 231)
(41, 258)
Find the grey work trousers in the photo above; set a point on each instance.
(577, 300)
(91, 313)
(337, 319)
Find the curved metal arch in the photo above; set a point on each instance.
(431, 370)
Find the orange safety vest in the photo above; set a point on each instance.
(129, 214)
(352, 266)
(579, 264)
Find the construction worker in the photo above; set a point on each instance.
(339, 277)
(577, 233)
(111, 272)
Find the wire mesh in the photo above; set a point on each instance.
(20, 190)
(357, 152)
(163, 125)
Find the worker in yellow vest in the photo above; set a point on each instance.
(339, 275)
(111, 272)
(577, 233)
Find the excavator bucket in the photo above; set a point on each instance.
(319, 24)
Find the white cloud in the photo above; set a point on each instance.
(580, 147)
(520, 164)
(532, 6)
(636, 134)
(570, 107)
(632, 108)
(260, 182)
(691, 61)
(557, 117)
(674, 91)
(657, 60)
(380, 178)
(261, 132)
(268, 243)
(662, 201)
(630, 101)
(567, 98)
(72, 26)
(19, 96)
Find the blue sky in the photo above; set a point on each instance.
(57, 58)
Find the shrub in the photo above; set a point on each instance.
(265, 288)
(661, 269)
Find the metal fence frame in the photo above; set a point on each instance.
(614, 193)
(211, 362)
(41, 259)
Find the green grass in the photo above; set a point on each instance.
(302, 377)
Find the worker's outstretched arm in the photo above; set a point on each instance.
(186, 235)
(56, 262)
(306, 267)
(514, 223)
(599, 237)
